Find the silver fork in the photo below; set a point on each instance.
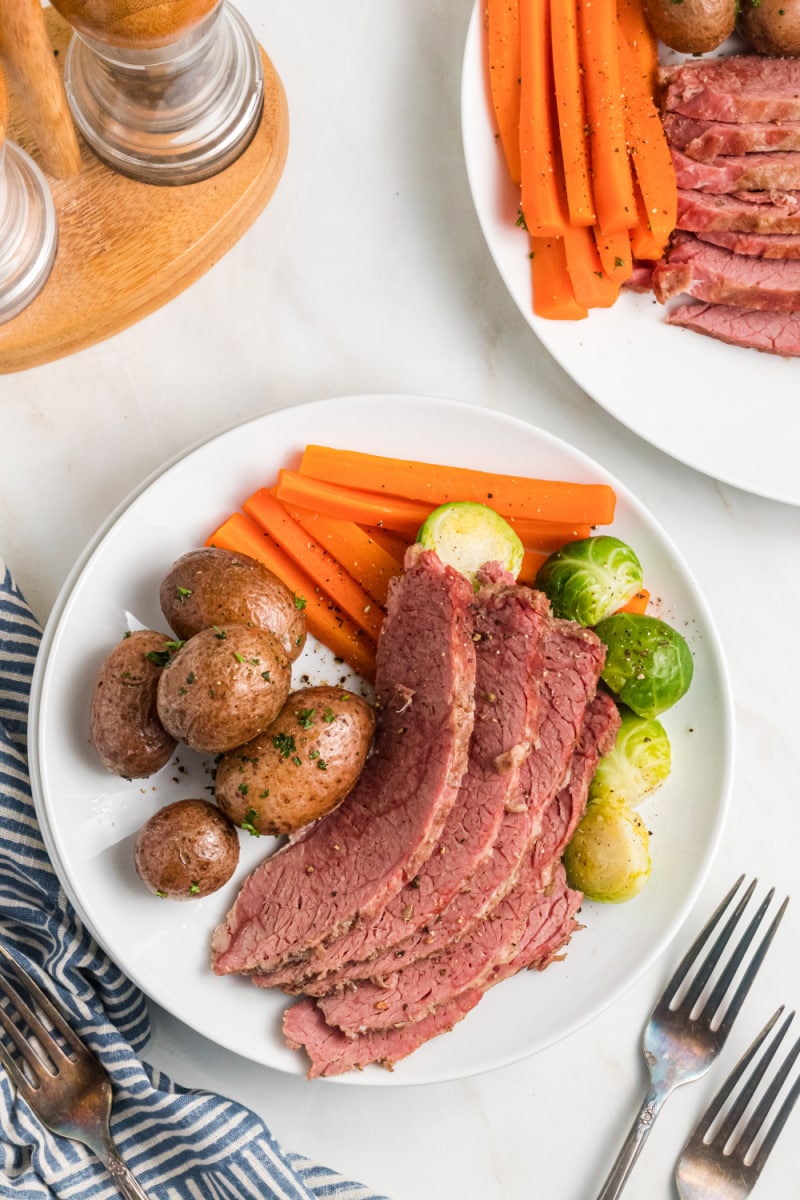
(68, 1090)
(727, 1160)
(687, 1029)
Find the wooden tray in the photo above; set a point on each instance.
(125, 248)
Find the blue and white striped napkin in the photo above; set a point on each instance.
(182, 1145)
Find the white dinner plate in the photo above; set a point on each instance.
(89, 817)
(729, 412)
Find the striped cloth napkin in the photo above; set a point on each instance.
(181, 1144)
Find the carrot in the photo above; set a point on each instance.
(553, 293)
(638, 602)
(614, 250)
(270, 514)
(325, 620)
(592, 286)
(393, 543)
(359, 554)
(571, 109)
(510, 495)
(612, 183)
(652, 162)
(502, 23)
(365, 508)
(531, 562)
(641, 40)
(543, 199)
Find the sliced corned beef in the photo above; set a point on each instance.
(702, 211)
(706, 140)
(508, 623)
(758, 245)
(508, 927)
(333, 1053)
(737, 88)
(568, 668)
(775, 172)
(775, 333)
(711, 273)
(355, 860)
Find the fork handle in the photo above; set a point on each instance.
(126, 1185)
(643, 1123)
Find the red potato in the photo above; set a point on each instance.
(125, 728)
(186, 850)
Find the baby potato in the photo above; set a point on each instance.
(186, 849)
(771, 26)
(212, 586)
(299, 768)
(223, 687)
(124, 725)
(692, 26)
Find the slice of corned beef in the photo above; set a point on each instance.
(711, 273)
(333, 1053)
(470, 963)
(738, 88)
(758, 213)
(775, 172)
(568, 667)
(706, 140)
(508, 624)
(758, 245)
(772, 332)
(550, 926)
(352, 862)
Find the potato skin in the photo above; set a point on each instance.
(212, 586)
(186, 850)
(124, 725)
(223, 687)
(771, 26)
(299, 768)
(691, 26)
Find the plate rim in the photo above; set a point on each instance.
(728, 725)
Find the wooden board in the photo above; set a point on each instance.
(125, 248)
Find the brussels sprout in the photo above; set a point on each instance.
(648, 664)
(466, 535)
(588, 579)
(608, 858)
(638, 764)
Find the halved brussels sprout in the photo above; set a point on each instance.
(638, 764)
(467, 535)
(590, 578)
(648, 663)
(608, 858)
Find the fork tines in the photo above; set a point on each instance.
(40, 1056)
(733, 1124)
(712, 1006)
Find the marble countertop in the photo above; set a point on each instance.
(368, 273)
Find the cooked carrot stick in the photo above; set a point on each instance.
(359, 554)
(543, 198)
(615, 254)
(325, 620)
(270, 514)
(571, 109)
(592, 286)
(553, 293)
(395, 544)
(502, 24)
(363, 507)
(651, 159)
(612, 183)
(641, 40)
(638, 602)
(510, 495)
(531, 562)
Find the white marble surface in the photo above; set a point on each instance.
(368, 273)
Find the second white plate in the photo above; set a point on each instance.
(731, 413)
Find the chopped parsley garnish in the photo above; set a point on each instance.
(328, 716)
(300, 602)
(321, 764)
(162, 657)
(247, 823)
(239, 657)
(265, 675)
(244, 788)
(284, 743)
(305, 717)
(194, 889)
(183, 594)
(220, 634)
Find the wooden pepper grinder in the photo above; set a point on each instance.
(28, 228)
(166, 91)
